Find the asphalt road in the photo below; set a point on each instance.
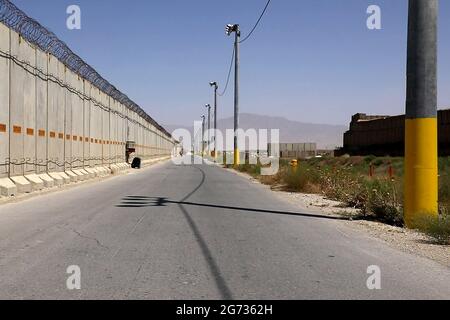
(195, 232)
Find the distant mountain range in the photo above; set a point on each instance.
(325, 135)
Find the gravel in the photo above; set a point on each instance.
(407, 240)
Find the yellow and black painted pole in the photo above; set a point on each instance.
(421, 133)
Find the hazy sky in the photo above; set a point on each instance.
(310, 60)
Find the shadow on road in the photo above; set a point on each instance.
(139, 201)
(143, 201)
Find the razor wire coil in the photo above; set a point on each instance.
(28, 67)
(34, 33)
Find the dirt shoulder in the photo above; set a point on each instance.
(406, 240)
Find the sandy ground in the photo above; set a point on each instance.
(407, 240)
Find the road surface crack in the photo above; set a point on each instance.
(90, 238)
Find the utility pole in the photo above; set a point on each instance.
(421, 134)
(208, 106)
(229, 29)
(216, 86)
(203, 136)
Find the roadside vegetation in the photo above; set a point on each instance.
(371, 184)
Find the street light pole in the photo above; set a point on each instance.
(203, 135)
(216, 86)
(236, 94)
(209, 124)
(229, 29)
(421, 137)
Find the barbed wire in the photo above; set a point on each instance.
(48, 42)
(28, 67)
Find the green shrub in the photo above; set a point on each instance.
(369, 159)
(377, 162)
(437, 228)
(301, 180)
(383, 201)
(346, 179)
(252, 169)
(444, 189)
(378, 198)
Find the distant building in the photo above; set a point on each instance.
(385, 135)
(294, 150)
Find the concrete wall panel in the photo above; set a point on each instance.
(17, 78)
(77, 123)
(41, 112)
(68, 121)
(105, 132)
(28, 52)
(60, 117)
(56, 116)
(4, 102)
(52, 120)
(86, 125)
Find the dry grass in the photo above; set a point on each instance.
(438, 228)
(346, 179)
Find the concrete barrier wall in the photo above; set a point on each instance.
(293, 150)
(52, 120)
(41, 113)
(4, 101)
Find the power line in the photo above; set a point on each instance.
(257, 22)
(229, 74)
(247, 37)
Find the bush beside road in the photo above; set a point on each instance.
(371, 184)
